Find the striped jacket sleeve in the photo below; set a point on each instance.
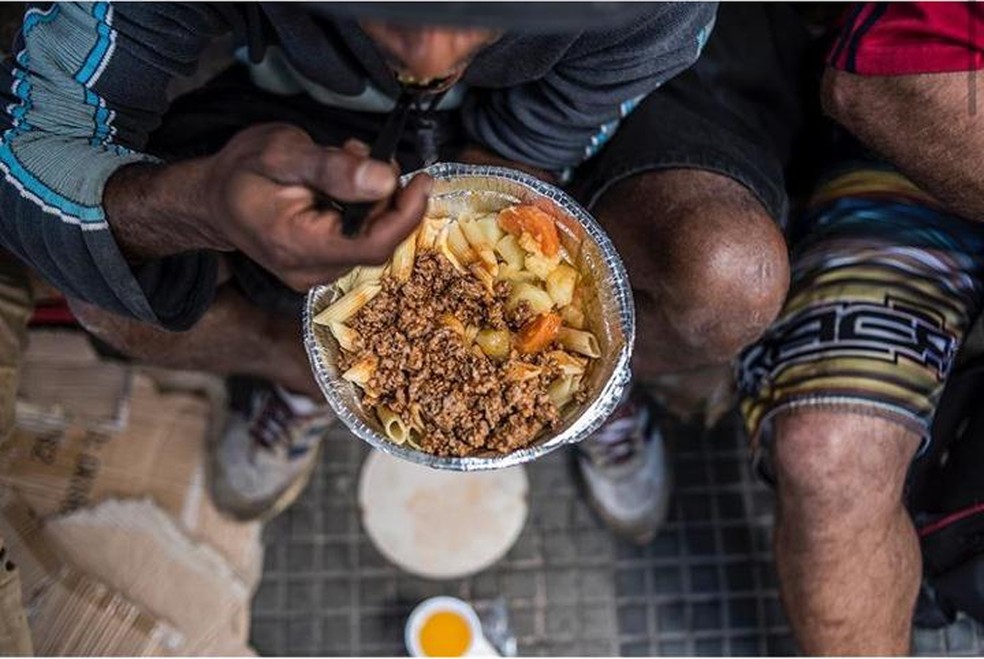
(84, 88)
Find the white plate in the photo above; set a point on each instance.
(441, 524)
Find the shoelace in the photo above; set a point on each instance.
(277, 424)
(617, 441)
(270, 425)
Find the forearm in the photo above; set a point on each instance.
(160, 210)
(923, 124)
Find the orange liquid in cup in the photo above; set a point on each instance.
(445, 634)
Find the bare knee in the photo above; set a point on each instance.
(703, 252)
(840, 469)
(732, 287)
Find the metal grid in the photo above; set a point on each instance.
(705, 586)
(709, 585)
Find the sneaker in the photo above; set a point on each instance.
(267, 452)
(623, 470)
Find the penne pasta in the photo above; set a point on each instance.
(370, 273)
(579, 341)
(568, 363)
(441, 245)
(349, 304)
(459, 245)
(521, 371)
(484, 276)
(402, 263)
(346, 282)
(394, 426)
(416, 417)
(413, 439)
(489, 262)
(347, 337)
(481, 245)
(560, 284)
(428, 231)
(361, 372)
(561, 390)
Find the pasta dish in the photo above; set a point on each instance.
(472, 338)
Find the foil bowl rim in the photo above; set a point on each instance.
(593, 414)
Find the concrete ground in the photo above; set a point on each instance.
(705, 586)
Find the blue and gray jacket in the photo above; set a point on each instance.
(88, 83)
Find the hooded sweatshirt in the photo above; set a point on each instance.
(88, 83)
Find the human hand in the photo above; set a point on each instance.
(263, 194)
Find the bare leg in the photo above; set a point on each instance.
(709, 267)
(233, 337)
(846, 551)
(709, 272)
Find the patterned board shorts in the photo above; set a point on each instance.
(885, 284)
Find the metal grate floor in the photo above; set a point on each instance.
(705, 586)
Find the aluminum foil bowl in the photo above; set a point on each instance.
(609, 309)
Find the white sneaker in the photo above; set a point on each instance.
(624, 471)
(267, 453)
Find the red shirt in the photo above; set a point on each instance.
(901, 38)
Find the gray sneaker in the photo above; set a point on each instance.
(267, 453)
(624, 471)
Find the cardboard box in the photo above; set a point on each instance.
(137, 549)
(64, 461)
(70, 613)
(63, 382)
(113, 477)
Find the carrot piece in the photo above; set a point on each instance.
(534, 221)
(538, 333)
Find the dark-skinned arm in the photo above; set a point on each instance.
(926, 125)
(109, 224)
(261, 195)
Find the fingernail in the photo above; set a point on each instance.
(375, 177)
(357, 145)
(428, 183)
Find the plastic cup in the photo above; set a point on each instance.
(446, 627)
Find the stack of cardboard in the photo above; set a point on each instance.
(107, 513)
(70, 613)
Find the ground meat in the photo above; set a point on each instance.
(520, 315)
(464, 399)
